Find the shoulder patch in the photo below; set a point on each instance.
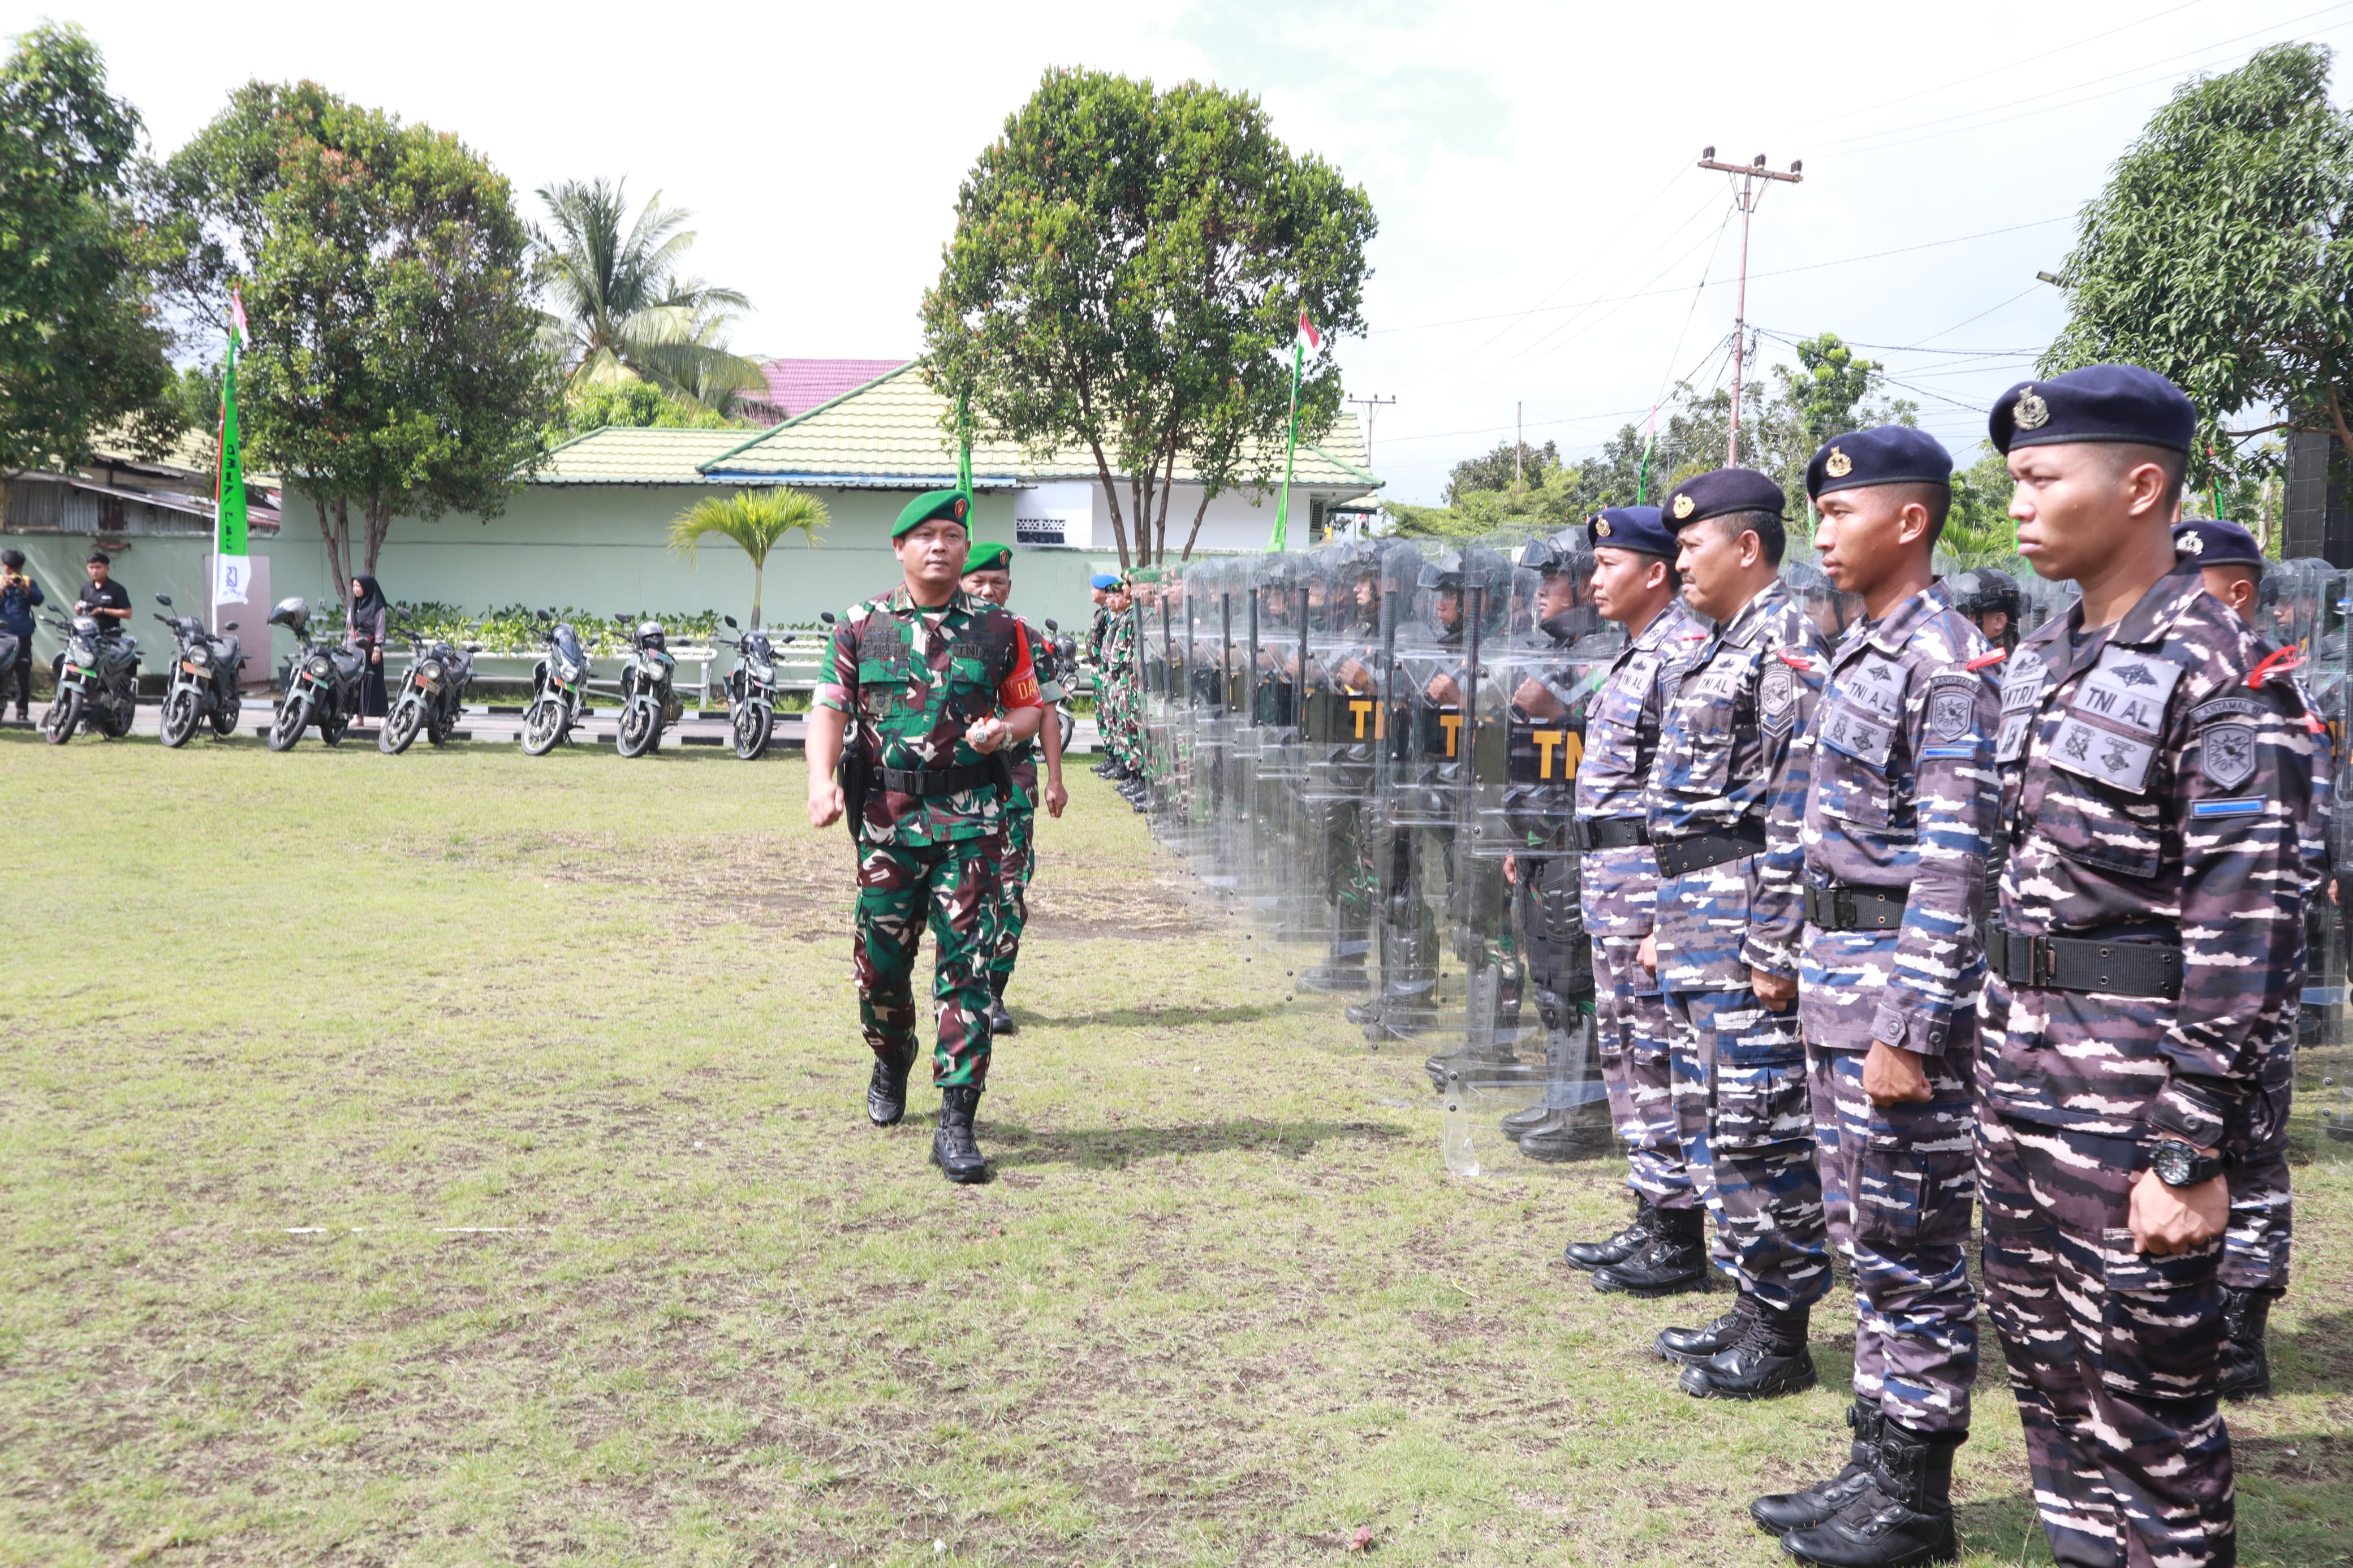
(1952, 707)
(2225, 707)
(2226, 753)
(1777, 700)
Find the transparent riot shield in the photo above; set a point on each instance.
(1988, 597)
(1339, 733)
(1828, 608)
(1282, 901)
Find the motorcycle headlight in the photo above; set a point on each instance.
(569, 671)
(200, 655)
(432, 668)
(322, 668)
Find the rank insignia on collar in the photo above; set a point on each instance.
(1683, 506)
(1838, 465)
(2031, 413)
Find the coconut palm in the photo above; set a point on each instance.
(625, 308)
(755, 520)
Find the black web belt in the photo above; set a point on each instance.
(2075, 963)
(931, 781)
(1596, 833)
(1680, 857)
(1853, 909)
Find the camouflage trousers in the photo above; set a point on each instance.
(1013, 868)
(1620, 890)
(1747, 1129)
(2262, 1209)
(1337, 834)
(1896, 1188)
(954, 887)
(2113, 1355)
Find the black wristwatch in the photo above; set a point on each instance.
(2177, 1164)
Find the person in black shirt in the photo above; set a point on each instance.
(100, 596)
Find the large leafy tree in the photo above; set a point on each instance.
(1511, 464)
(625, 308)
(2220, 254)
(79, 350)
(1126, 276)
(393, 367)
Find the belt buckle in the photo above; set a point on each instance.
(2042, 961)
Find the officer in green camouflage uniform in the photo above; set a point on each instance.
(1116, 710)
(989, 574)
(926, 687)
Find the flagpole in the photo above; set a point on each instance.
(229, 538)
(1290, 454)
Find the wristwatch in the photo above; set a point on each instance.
(2177, 1164)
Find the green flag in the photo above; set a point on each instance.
(229, 500)
(1307, 336)
(963, 449)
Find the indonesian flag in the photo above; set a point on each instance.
(1309, 337)
(244, 334)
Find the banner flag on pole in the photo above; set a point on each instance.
(1308, 339)
(228, 500)
(964, 450)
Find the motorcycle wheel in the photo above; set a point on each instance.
(1069, 726)
(638, 732)
(225, 715)
(331, 730)
(286, 726)
(543, 727)
(400, 726)
(180, 717)
(753, 725)
(63, 718)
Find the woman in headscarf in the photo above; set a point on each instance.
(363, 629)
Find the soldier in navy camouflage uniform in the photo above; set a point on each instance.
(1894, 816)
(926, 685)
(2255, 1248)
(1726, 932)
(2157, 781)
(1662, 1251)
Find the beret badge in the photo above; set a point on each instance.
(1683, 506)
(1601, 529)
(1838, 465)
(2190, 543)
(959, 509)
(2031, 413)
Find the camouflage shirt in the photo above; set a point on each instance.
(1023, 754)
(1734, 737)
(2149, 791)
(1621, 726)
(912, 682)
(1901, 794)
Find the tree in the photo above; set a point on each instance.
(633, 406)
(755, 520)
(78, 351)
(394, 366)
(1823, 396)
(1979, 530)
(625, 308)
(2220, 254)
(1511, 463)
(1128, 274)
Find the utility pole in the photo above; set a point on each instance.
(1748, 195)
(1519, 445)
(1372, 407)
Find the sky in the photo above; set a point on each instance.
(1548, 254)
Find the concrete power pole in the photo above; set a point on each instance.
(1372, 407)
(1749, 193)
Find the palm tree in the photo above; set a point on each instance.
(625, 308)
(755, 519)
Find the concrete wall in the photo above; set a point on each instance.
(1237, 521)
(146, 566)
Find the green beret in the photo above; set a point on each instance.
(949, 504)
(989, 557)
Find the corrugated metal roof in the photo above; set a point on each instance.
(618, 456)
(890, 429)
(797, 385)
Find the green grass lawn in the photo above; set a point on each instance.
(461, 1159)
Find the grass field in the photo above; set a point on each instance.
(460, 1159)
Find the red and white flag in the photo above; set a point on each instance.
(1308, 335)
(236, 316)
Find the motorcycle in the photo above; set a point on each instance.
(752, 690)
(98, 677)
(559, 688)
(327, 684)
(432, 693)
(1061, 663)
(649, 698)
(203, 678)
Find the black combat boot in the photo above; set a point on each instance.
(1589, 1254)
(1769, 1359)
(1782, 1513)
(1000, 1022)
(1530, 1119)
(886, 1091)
(953, 1150)
(1689, 1347)
(1673, 1261)
(2246, 1364)
(1903, 1518)
(1567, 1136)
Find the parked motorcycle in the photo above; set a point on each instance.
(649, 695)
(203, 678)
(325, 684)
(432, 693)
(1061, 663)
(98, 679)
(752, 690)
(559, 688)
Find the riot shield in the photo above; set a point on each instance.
(1339, 731)
(1828, 608)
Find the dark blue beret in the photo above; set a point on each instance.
(1632, 528)
(2216, 544)
(2097, 403)
(1891, 455)
(1714, 493)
